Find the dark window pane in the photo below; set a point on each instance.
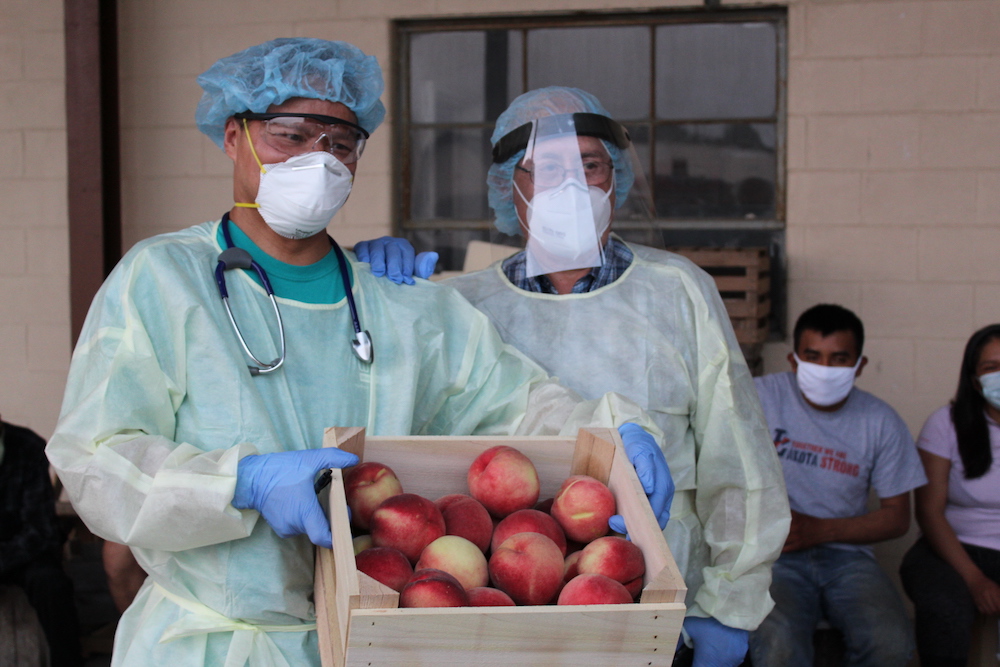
(715, 170)
(716, 70)
(611, 63)
(449, 244)
(637, 207)
(448, 174)
(477, 91)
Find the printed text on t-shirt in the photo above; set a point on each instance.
(809, 454)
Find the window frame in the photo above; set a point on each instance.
(404, 29)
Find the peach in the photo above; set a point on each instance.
(366, 486)
(458, 557)
(529, 521)
(544, 505)
(362, 542)
(582, 507)
(466, 517)
(634, 587)
(485, 596)
(407, 522)
(504, 480)
(614, 557)
(433, 588)
(528, 567)
(571, 566)
(594, 589)
(386, 565)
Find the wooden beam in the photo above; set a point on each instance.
(94, 187)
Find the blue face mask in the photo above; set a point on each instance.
(991, 388)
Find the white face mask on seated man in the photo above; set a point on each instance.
(825, 385)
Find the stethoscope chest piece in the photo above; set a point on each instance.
(362, 346)
(238, 258)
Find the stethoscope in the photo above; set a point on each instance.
(238, 258)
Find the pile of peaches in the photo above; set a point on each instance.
(446, 553)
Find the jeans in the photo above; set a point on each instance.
(851, 592)
(944, 606)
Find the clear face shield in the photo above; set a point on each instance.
(566, 189)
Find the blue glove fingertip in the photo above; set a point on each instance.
(617, 524)
(317, 527)
(426, 264)
(361, 251)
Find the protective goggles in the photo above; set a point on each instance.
(549, 173)
(295, 134)
(581, 124)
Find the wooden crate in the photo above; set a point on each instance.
(743, 276)
(360, 624)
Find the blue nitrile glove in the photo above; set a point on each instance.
(651, 469)
(715, 644)
(394, 258)
(281, 487)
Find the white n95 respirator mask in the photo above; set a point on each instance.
(990, 382)
(298, 197)
(565, 225)
(825, 385)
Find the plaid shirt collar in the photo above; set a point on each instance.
(617, 258)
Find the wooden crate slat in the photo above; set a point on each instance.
(602, 635)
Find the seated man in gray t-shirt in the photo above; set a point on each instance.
(836, 442)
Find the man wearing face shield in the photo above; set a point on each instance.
(836, 443)
(175, 438)
(605, 315)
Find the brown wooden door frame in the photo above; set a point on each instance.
(92, 137)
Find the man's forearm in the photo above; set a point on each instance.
(882, 524)
(885, 523)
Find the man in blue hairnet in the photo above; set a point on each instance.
(213, 358)
(605, 315)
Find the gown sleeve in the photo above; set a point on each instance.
(114, 447)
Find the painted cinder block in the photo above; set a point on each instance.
(889, 371)
(824, 198)
(986, 298)
(45, 154)
(968, 257)
(824, 86)
(805, 294)
(988, 80)
(843, 29)
(918, 84)
(894, 141)
(937, 365)
(923, 310)
(45, 56)
(955, 141)
(860, 254)
(961, 26)
(918, 197)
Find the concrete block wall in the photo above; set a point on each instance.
(893, 163)
(34, 263)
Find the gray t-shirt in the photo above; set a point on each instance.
(832, 459)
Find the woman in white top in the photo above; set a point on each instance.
(953, 571)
